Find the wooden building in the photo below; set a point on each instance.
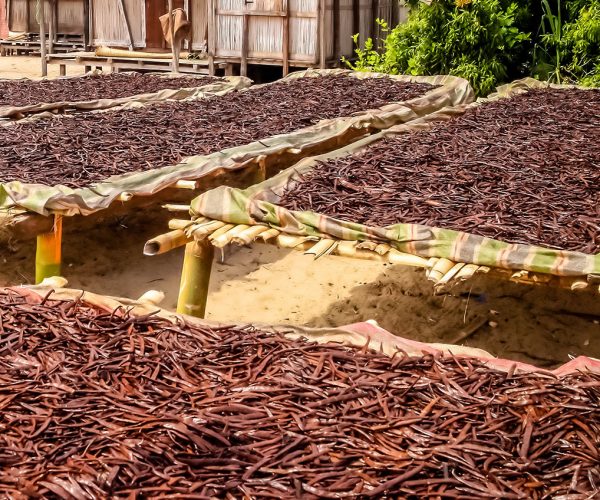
(300, 33)
(68, 16)
(134, 23)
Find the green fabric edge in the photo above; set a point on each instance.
(326, 135)
(257, 204)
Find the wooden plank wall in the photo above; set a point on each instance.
(341, 20)
(3, 20)
(18, 16)
(108, 27)
(70, 16)
(198, 14)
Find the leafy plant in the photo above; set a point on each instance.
(475, 39)
(569, 46)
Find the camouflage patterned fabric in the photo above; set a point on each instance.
(280, 150)
(259, 204)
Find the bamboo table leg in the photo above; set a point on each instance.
(48, 254)
(195, 278)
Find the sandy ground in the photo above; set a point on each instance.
(263, 284)
(31, 67)
(541, 325)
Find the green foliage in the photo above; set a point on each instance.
(569, 46)
(475, 39)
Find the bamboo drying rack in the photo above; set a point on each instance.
(49, 232)
(202, 235)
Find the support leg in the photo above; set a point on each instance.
(260, 174)
(195, 278)
(48, 254)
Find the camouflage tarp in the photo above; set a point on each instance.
(274, 153)
(259, 204)
(218, 86)
(358, 334)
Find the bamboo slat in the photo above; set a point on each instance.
(443, 273)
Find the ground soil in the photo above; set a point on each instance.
(31, 67)
(541, 325)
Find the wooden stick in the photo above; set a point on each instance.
(260, 173)
(48, 253)
(174, 207)
(42, 21)
(244, 54)
(180, 223)
(174, 50)
(322, 54)
(285, 48)
(51, 26)
(195, 278)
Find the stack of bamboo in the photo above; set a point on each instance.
(203, 234)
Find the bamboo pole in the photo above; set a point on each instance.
(41, 17)
(49, 252)
(166, 242)
(195, 278)
(174, 49)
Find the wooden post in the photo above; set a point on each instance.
(260, 172)
(395, 13)
(48, 254)
(174, 49)
(375, 14)
(195, 278)
(211, 39)
(322, 55)
(86, 25)
(355, 17)
(286, 39)
(41, 16)
(244, 55)
(337, 51)
(51, 26)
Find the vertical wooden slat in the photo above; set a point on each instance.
(188, 10)
(51, 26)
(322, 55)
(337, 51)
(123, 12)
(174, 46)
(374, 12)
(286, 39)
(244, 55)
(395, 13)
(9, 14)
(212, 37)
(355, 16)
(42, 19)
(86, 25)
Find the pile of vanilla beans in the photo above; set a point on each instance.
(98, 404)
(79, 150)
(520, 170)
(91, 87)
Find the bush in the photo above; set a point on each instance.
(569, 45)
(479, 40)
